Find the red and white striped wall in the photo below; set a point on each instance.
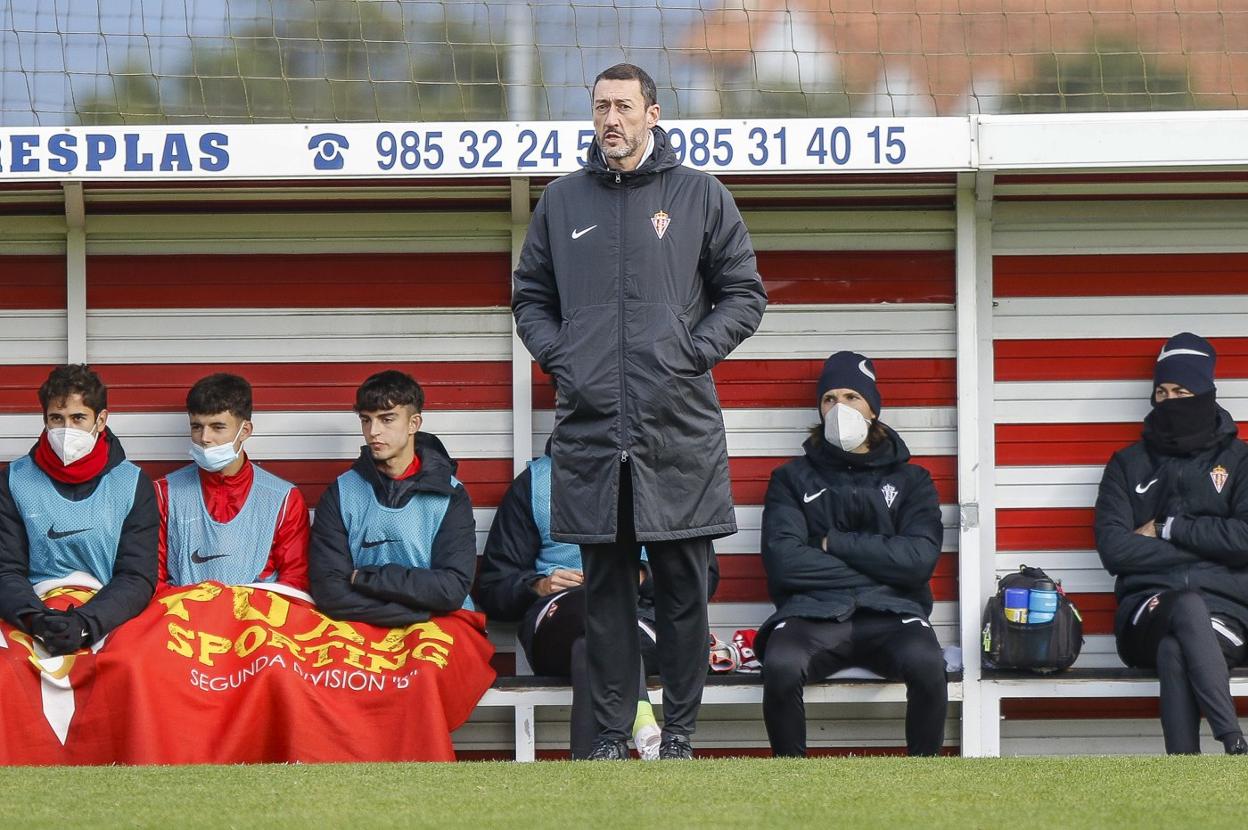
(1013, 322)
(307, 299)
(1084, 294)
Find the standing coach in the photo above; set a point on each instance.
(636, 278)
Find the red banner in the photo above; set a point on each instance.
(236, 674)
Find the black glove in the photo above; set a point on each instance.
(66, 631)
(48, 623)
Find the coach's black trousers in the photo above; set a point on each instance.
(896, 646)
(680, 585)
(1174, 633)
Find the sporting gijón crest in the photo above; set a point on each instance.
(890, 494)
(660, 221)
(1219, 476)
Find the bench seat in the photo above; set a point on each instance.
(524, 693)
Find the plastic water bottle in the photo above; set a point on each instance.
(1042, 603)
(1016, 604)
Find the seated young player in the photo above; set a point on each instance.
(851, 535)
(1172, 527)
(528, 577)
(394, 540)
(75, 504)
(224, 518)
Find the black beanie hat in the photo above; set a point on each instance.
(1187, 359)
(849, 370)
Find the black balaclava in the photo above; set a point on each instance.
(1182, 426)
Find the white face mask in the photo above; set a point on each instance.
(71, 444)
(215, 459)
(845, 427)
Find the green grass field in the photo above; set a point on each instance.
(883, 793)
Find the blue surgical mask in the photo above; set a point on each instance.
(215, 459)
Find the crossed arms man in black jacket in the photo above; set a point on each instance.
(1172, 527)
(851, 535)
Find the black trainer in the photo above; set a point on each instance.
(607, 749)
(1237, 747)
(675, 748)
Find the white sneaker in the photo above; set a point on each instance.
(647, 740)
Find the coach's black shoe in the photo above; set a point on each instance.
(675, 748)
(1238, 746)
(607, 749)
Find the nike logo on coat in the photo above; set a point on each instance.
(1143, 488)
(199, 560)
(53, 533)
(809, 497)
(578, 234)
(375, 542)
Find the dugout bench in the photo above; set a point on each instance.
(523, 693)
(996, 685)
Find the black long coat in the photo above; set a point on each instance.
(630, 288)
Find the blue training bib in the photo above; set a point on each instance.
(379, 535)
(234, 552)
(66, 536)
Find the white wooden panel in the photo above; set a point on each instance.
(32, 336)
(879, 330)
(1085, 736)
(1080, 571)
(1081, 227)
(780, 432)
(850, 230)
(1054, 318)
(278, 233)
(43, 235)
(721, 727)
(340, 334)
(1096, 401)
(294, 334)
(1073, 486)
(154, 436)
(1100, 651)
(467, 434)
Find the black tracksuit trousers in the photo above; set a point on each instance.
(893, 645)
(554, 638)
(679, 570)
(1173, 633)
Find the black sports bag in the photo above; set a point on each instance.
(1040, 647)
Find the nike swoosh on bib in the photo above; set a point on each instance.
(375, 542)
(199, 560)
(578, 234)
(53, 533)
(808, 497)
(1143, 488)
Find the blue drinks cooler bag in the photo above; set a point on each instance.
(1031, 624)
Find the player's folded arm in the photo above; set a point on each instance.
(329, 574)
(444, 585)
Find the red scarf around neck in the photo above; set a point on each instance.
(82, 470)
